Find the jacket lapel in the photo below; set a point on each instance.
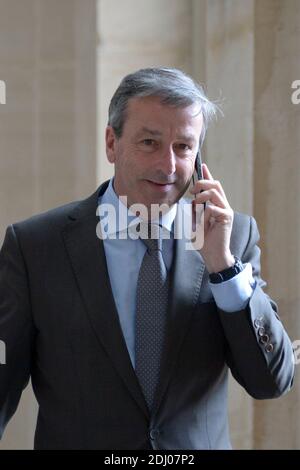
(87, 257)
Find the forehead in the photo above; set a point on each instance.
(149, 112)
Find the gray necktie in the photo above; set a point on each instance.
(151, 313)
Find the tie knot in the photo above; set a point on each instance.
(151, 236)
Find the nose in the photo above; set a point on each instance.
(168, 161)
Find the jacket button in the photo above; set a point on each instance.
(264, 339)
(269, 347)
(261, 331)
(154, 433)
(258, 322)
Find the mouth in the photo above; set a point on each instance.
(160, 186)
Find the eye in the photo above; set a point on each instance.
(148, 142)
(183, 146)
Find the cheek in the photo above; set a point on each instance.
(185, 168)
(130, 158)
(125, 163)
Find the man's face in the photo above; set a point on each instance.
(155, 156)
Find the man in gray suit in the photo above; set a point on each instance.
(128, 347)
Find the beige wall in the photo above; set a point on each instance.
(246, 51)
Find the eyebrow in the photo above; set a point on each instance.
(154, 132)
(146, 130)
(189, 137)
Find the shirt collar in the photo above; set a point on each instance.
(123, 216)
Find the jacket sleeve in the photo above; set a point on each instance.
(259, 351)
(16, 327)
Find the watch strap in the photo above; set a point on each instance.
(227, 273)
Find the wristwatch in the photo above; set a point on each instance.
(228, 273)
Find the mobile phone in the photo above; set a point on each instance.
(198, 169)
(198, 165)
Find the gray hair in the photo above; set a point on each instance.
(173, 86)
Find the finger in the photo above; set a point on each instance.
(206, 173)
(218, 214)
(211, 195)
(208, 176)
(213, 215)
(202, 185)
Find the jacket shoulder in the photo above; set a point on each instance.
(55, 217)
(241, 220)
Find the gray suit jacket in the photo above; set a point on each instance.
(61, 328)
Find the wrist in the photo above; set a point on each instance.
(220, 264)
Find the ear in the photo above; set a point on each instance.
(110, 140)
